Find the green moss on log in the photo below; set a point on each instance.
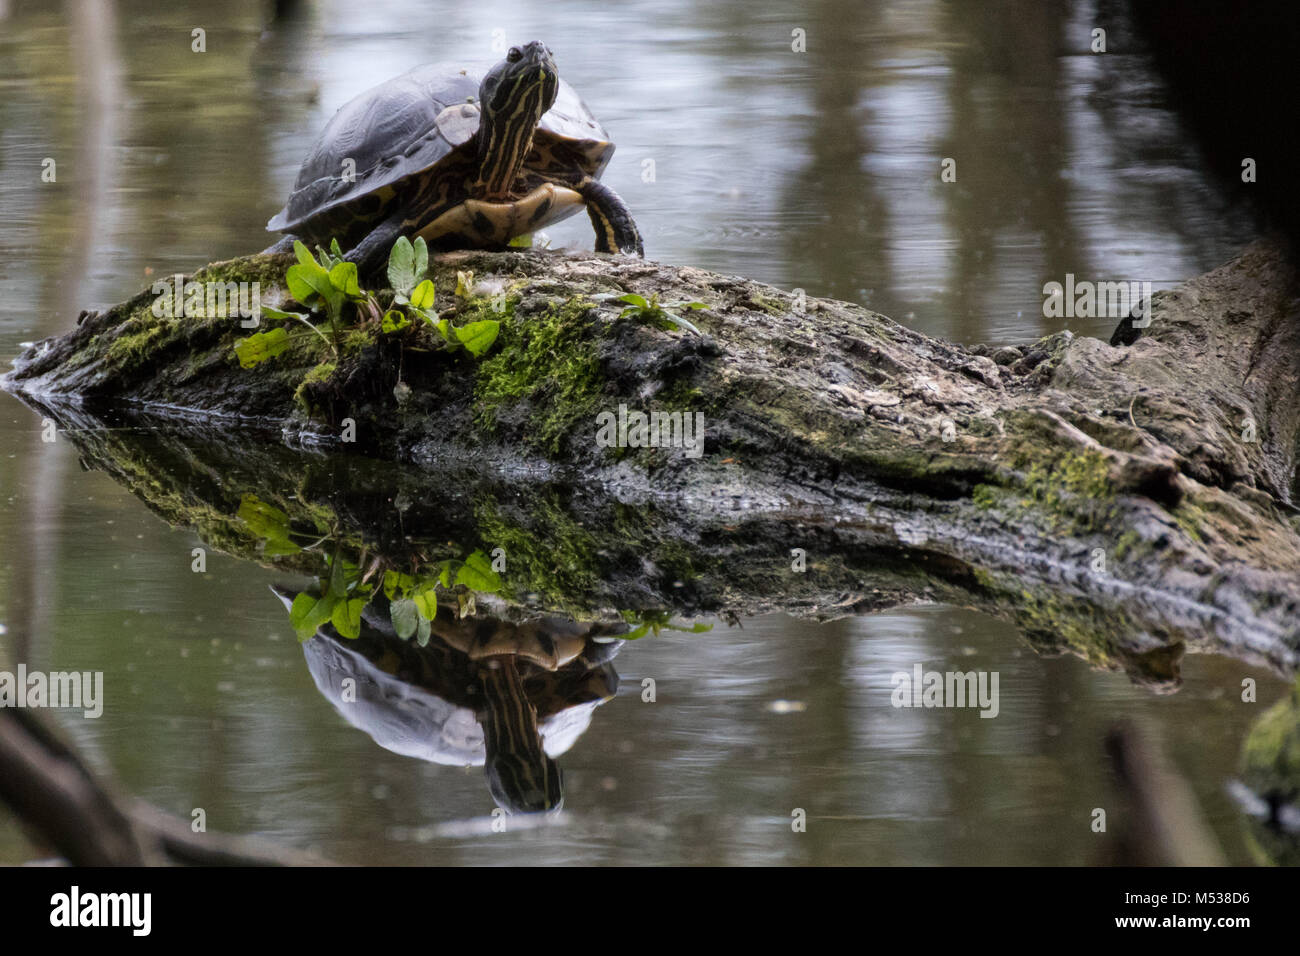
(544, 377)
(551, 555)
(318, 376)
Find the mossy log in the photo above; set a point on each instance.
(1124, 502)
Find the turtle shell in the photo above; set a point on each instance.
(410, 705)
(414, 721)
(411, 123)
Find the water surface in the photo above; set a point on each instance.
(817, 170)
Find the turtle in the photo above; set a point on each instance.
(485, 691)
(462, 162)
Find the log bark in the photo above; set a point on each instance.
(1123, 502)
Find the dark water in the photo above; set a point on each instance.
(816, 170)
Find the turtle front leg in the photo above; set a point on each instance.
(372, 252)
(610, 217)
(283, 244)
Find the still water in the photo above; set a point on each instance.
(816, 170)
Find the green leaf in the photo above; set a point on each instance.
(477, 574)
(422, 295)
(421, 266)
(346, 617)
(445, 573)
(338, 583)
(633, 299)
(679, 321)
(272, 313)
(302, 606)
(426, 602)
(395, 581)
(401, 266)
(661, 624)
(334, 248)
(308, 612)
(478, 336)
(261, 346)
(262, 519)
(394, 321)
(302, 290)
(268, 523)
(464, 284)
(522, 242)
(303, 253)
(422, 631)
(406, 617)
(343, 277)
(310, 276)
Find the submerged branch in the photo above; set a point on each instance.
(65, 804)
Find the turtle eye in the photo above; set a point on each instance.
(514, 54)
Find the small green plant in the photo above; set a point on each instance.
(323, 281)
(413, 294)
(342, 597)
(652, 622)
(654, 311)
(408, 264)
(412, 604)
(475, 572)
(413, 598)
(344, 590)
(327, 282)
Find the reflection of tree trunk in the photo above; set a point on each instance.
(848, 237)
(1009, 161)
(93, 43)
(1159, 822)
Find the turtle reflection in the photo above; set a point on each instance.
(510, 696)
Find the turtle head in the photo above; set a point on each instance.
(521, 776)
(521, 786)
(512, 99)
